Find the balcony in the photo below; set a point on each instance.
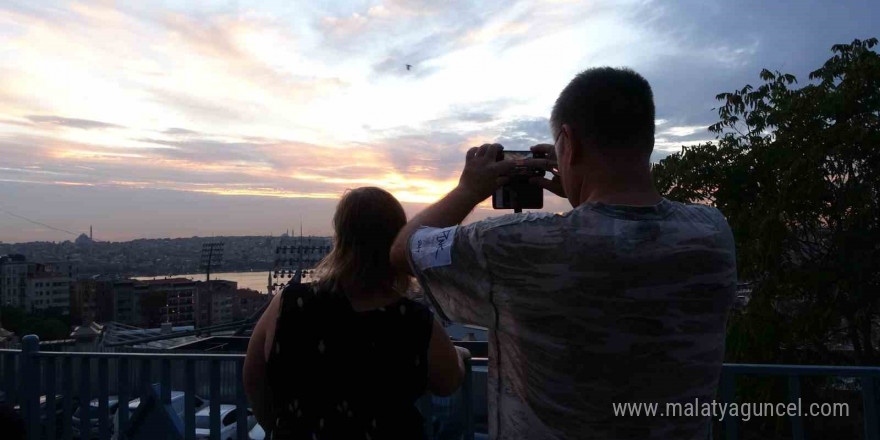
(40, 380)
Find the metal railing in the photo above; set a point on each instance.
(35, 380)
(28, 374)
(867, 377)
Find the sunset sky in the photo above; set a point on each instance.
(181, 118)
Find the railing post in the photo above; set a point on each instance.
(123, 388)
(30, 345)
(794, 396)
(51, 404)
(189, 412)
(214, 421)
(166, 382)
(869, 404)
(728, 392)
(240, 402)
(85, 401)
(468, 397)
(103, 400)
(67, 380)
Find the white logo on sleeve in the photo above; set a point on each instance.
(432, 247)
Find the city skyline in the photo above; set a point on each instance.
(177, 120)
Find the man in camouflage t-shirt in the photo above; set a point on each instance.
(622, 299)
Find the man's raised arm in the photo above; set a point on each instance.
(481, 176)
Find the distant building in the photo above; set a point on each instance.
(222, 301)
(215, 302)
(92, 301)
(248, 302)
(50, 286)
(126, 303)
(151, 303)
(170, 300)
(13, 280)
(61, 268)
(36, 286)
(47, 290)
(83, 240)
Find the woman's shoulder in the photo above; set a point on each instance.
(296, 295)
(309, 300)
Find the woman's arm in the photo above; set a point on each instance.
(259, 347)
(445, 367)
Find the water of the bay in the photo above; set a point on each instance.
(246, 280)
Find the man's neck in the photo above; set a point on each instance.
(616, 186)
(631, 198)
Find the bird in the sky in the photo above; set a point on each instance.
(409, 67)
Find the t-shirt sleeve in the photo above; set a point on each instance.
(453, 271)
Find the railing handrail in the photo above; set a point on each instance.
(799, 370)
(35, 365)
(135, 355)
(732, 368)
(727, 386)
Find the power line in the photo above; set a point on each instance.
(37, 223)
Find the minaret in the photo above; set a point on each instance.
(90, 233)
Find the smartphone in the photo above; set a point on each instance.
(519, 193)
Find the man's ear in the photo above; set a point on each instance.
(571, 145)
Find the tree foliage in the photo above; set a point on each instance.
(796, 171)
(48, 325)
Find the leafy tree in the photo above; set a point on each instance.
(47, 325)
(796, 171)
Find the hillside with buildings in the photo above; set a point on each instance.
(152, 257)
(86, 281)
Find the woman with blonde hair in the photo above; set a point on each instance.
(348, 356)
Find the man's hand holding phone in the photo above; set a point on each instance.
(549, 164)
(482, 174)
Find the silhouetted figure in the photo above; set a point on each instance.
(349, 356)
(622, 299)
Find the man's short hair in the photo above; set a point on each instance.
(609, 106)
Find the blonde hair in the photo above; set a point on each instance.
(365, 224)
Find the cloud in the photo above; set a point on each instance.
(204, 150)
(683, 130)
(202, 109)
(71, 122)
(521, 134)
(180, 131)
(424, 32)
(664, 145)
(206, 99)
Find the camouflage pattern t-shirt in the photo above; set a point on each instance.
(603, 304)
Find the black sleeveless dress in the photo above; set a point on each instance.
(335, 373)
